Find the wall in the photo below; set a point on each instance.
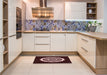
(19, 3)
(29, 5)
(105, 16)
(100, 9)
(100, 13)
(57, 4)
(23, 15)
(48, 25)
(58, 8)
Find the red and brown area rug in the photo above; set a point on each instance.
(51, 59)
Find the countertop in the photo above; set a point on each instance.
(96, 35)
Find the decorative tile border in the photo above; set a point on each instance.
(47, 25)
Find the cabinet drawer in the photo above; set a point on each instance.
(84, 39)
(87, 48)
(42, 40)
(42, 47)
(84, 51)
(42, 34)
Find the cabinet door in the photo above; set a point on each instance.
(12, 17)
(75, 10)
(1, 55)
(92, 52)
(58, 42)
(28, 42)
(19, 45)
(71, 42)
(42, 42)
(87, 48)
(12, 48)
(1, 10)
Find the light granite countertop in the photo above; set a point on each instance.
(96, 35)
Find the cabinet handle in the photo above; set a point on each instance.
(42, 36)
(84, 49)
(12, 35)
(85, 40)
(42, 44)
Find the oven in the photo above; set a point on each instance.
(18, 23)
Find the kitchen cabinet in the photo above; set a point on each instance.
(71, 42)
(49, 42)
(12, 17)
(15, 48)
(1, 61)
(58, 41)
(42, 42)
(1, 55)
(87, 48)
(75, 10)
(19, 45)
(1, 24)
(1, 30)
(28, 42)
(12, 48)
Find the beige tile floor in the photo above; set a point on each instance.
(24, 66)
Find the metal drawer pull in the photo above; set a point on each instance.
(84, 49)
(85, 40)
(42, 44)
(43, 36)
(12, 35)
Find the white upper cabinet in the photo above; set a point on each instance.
(28, 42)
(12, 17)
(58, 41)
(1, 10)
(71, 42)
(75, 10)
(1, 55)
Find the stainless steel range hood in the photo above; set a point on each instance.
(43, 11)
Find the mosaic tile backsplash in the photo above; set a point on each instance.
(48, 25)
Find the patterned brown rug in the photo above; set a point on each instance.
(51, 59)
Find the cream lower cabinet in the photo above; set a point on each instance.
(19, 45)
(28, 42)
(58, 42)
(71, 42)
(42, 42)
(87, 49)
(15, 48)
(12, 48)
(1, 55)
(49, 42)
